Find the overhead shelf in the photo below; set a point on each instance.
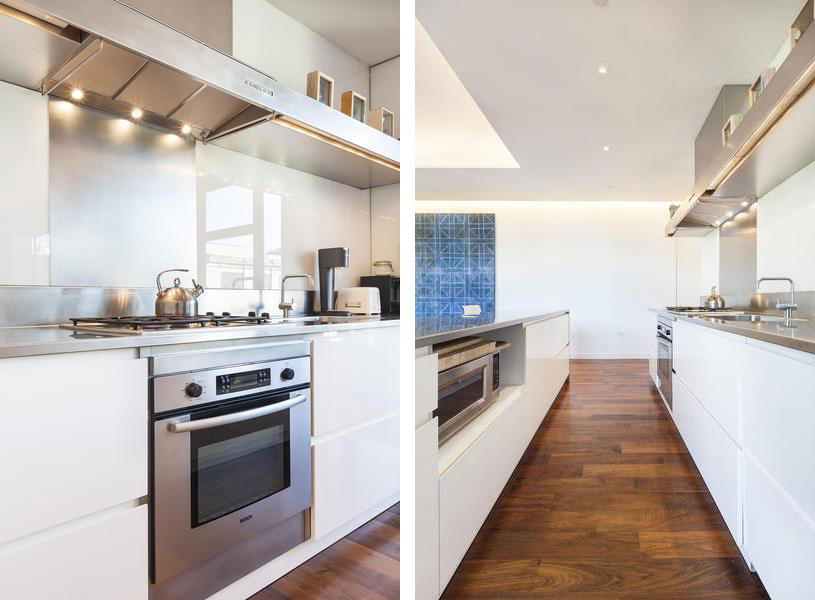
(774, 140)
(123, 60)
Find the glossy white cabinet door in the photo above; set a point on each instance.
(472, 484)
(100, 561)
(427, 511)
(779, 537)
(547, 365)
(74, 435)
(427, 386)
(708, 362)
(355, 377)
(778, 418)
(353, 471)
(715, 454)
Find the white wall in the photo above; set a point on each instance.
(385, 224)
(24, 229)
(282, 47)
(385, 88)
(709, 263)
(609, 262)
(785, 240)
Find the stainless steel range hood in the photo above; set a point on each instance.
(122, 59)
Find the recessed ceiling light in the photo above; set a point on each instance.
(606, 148)
(730, 214)
(745, 203)
(185, 128)
(602, 69)
(718, 223)
(136, 113)
(77, 94)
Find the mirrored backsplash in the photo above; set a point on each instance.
(109, 203)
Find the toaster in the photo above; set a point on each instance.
(359, 300)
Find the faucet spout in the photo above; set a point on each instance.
(287, 307)
(786, 307)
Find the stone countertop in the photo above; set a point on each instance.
(52, 339)
(434, 330)
(799, 337)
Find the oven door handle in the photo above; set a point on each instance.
(253, 413)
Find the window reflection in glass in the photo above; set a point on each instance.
(229, 206)
(230, 263)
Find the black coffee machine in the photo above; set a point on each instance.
(329, 259)
(388, 291)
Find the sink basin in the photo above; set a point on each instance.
(751, 318)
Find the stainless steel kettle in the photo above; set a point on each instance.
(177, 301)
(714, 301)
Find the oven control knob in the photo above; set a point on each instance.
(287, 374)
(193, 390)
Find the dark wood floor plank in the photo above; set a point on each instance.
(364, 565)
(606, 504)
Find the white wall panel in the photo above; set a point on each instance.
(385, 224)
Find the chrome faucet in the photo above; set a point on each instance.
(287, 307)
(787, 307)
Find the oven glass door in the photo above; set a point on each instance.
(235, 465)
(665, 369)
(464, 391)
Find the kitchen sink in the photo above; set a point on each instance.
(751, 318)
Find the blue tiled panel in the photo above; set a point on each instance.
(455, 263)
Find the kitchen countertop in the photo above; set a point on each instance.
(800, 337)
(434, 330)
(52, 339)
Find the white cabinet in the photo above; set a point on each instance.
(427, 386)
(353, 471)
(354, 378)
(653, 356)
(778, 421)
(99, 561)
(708, 362)
(715, 454)
(779, 537)
(74, 432)
(472, 484)
(547, 360)
(427, 511)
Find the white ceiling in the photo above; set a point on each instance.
(533, 70)
(461, 137)
(368, 30)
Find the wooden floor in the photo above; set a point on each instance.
(364, 565)
(605, 504)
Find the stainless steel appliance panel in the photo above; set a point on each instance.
(183, 538)
(122, 199)
(464, 392)
(665, 361)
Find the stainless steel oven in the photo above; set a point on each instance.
(665, 361)
(464, 392)
(231, 461)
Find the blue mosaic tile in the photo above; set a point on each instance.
(455, 263)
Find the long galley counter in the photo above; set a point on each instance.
(483, 387)
(82, 498)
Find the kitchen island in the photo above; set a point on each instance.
(458, 482)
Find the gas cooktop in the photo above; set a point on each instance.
(146, 325)
(696, 309)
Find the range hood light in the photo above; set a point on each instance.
(136, 113)
(729, 214)
(745, 203)
(77, 94)
(186, 129)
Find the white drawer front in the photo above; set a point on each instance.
(708, 363)
(354, 471)
(779, 539)
(355, 378)
(715, 454)
(75, 438)
(104, 560)
(427, 511)
(778, 420)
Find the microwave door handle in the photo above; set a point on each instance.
(246, 415)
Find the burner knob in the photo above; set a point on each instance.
(287, 374)
(194, 390)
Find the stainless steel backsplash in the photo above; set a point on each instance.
(41, 305)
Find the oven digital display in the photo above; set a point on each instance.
(239, 382)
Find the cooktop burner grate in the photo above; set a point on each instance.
(152, 323)
(695, 309)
